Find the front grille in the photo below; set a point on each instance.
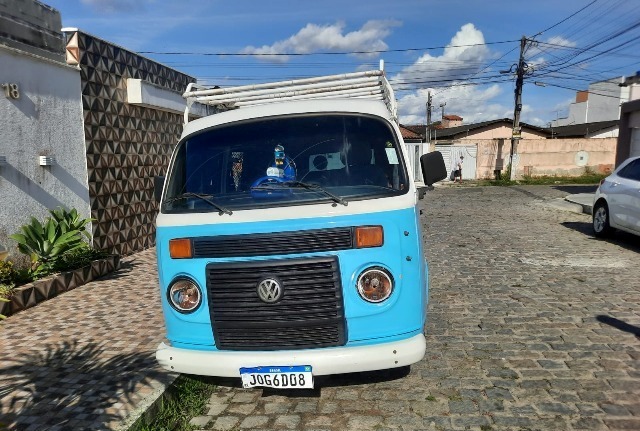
(310, 313)
(269, 244)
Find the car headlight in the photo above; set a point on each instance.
(184, 295)
(375, 284)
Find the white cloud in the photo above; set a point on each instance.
(326, 38)
(472, 103)
(559, 40)
(464, 57)
(457, 61)
(534, 53)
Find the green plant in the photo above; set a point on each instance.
(74, 259)
(6, 291)
(70, 221)
(186, 398)
(7, 272)
(46, 242)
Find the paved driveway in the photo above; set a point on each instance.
(533, 324)
(85, 360)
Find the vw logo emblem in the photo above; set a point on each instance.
(269, 290)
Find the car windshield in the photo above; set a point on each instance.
(283, 161)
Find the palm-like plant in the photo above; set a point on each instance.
(70, 220)
(46, 242)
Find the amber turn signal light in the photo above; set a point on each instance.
(180, 248)
(369, 236)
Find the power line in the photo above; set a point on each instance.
(294, 54)
(565, 19)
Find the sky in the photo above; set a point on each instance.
(462, 51)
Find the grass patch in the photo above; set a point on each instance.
(431, 398)
(186, 398)
(588, 177)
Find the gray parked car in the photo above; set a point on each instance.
(616, 204)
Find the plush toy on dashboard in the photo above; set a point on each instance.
(282, 167)
(282, 170)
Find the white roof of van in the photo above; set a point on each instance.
(357, 106)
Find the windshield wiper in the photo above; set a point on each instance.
(202, 196)
(316, 187)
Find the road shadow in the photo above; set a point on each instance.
(574, 190)
(334, 380)
(619, 324)
(71, 385)
(364, 378)
(125, 269)
(619, 238)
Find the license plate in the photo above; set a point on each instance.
(282, 377)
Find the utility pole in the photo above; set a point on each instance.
(515, 134)
(442, 106)
(428, 129)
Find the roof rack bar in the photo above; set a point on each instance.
(279, 84)
(347, 93)
(369, 84)
(285, 93)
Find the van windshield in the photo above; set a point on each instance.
(283, 161)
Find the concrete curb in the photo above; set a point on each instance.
(564, 205)
(149, 406)
(584, 200)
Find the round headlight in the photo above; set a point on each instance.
(184, 295)
(375, 284)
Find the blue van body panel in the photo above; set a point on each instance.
(401, 316)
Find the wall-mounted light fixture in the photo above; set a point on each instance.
(3, 160)
(47, 160)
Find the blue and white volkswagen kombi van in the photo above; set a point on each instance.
(288, 239)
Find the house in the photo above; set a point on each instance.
(451, 121)
(42, 152)
(492, 129)
(600, 102)
(628, 144)
(92, 123)
(487, 148)
(599, 129)
(409, 134)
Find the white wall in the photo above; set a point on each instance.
(604, 101)
(46, 119)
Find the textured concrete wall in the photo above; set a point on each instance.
(538, 157)
(46, 119)
(126, 145)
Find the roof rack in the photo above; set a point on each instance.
(363, 85)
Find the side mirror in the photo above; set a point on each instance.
(158, 185)
(433, 168)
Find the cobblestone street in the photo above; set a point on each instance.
(533, 325)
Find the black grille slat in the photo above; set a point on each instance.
(309, 315)
(269, 244)
(300, 338)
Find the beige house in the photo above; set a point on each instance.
(493, 129)
(451, 121)
(486, 147)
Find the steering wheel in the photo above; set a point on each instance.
(267, 180)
